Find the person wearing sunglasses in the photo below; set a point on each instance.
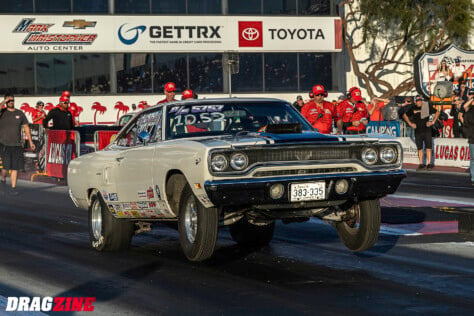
(12, 123)
(60, 115)
(319, 112)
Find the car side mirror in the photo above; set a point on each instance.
(144, 137)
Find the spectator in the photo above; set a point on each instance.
(11, 148)
(468, 108)
(458, 70)
(462, 93)
(319, 112)
(188, 94)
(444, 74)
(420, 115)
(375, 108)
(62, 118)
(465, 106)
(298, 104)
(170, 92)
(456, 114)
(39, 114)
(352, 115)
(404, 107)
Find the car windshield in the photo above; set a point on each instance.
(229, 118)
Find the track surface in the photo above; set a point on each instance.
(422, 264)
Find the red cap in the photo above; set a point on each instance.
(318, 89)
(73, 105)
(170, 87)
(188, 94)
(66, 94)
(63, 99)
(356, 94)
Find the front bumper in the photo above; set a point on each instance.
(250, 191)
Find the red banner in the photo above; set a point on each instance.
(62, 148)
(448, 128)
(104, 138)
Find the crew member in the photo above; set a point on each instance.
(319, 112)
(170, 92)
(188, 94)
(39, 113)
(62, 118)
(352, 113)
(73, 108)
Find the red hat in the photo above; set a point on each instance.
(63, 99)
(170, 87)
(188, 94)
(355, 94)
(73, 105)
(318, 89)
(66, 94)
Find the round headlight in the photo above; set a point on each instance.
(219, 163)
(369, 156)
(388, 155)
(239, 161)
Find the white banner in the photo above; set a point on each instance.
(125, 34)
(448, 152)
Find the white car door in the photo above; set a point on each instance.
(134, 163)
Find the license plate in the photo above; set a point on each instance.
(309, 191)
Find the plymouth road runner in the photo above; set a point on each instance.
(242, 163)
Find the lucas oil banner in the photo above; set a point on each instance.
(62, 147)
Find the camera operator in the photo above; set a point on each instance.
(418, 117)
(468, 108)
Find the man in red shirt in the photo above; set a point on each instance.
(188, 95)
(75, 113)
(352, 113)
(375, 108)
(170, 92)
(318, 112)
(39, 113)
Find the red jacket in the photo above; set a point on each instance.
(37, 114)
(349, 113)
(319, 116)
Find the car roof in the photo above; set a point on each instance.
(216, 101)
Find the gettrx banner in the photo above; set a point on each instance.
(62, 147)
(66, 34)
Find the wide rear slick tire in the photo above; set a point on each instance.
(107, 233)
(197, 227)
(247, 234)
(365, 235)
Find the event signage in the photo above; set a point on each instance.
(62, 147)
(66, 34)
(459, 63)
(384, 127)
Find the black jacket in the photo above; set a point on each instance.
(61, 119)
(469, 124)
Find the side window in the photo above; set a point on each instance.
(128, 138)
(150, 122)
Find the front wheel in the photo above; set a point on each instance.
(197, 227)
(107, 233)
(361, 231)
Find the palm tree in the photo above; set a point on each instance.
(27, 109)
(120, 107)
(49, 106)
(143, 105)
(98, 108)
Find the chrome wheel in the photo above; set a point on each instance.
(96, 220)
(191, 219)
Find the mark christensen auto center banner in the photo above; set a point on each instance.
(66, 34)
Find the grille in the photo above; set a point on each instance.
(274, 173)
(292, 154)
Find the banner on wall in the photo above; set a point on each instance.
(103, 138)
(384, 127)
(62, 147)
(127, 34)
(448, 152)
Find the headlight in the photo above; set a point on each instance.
(219, 163)
(369, 156)
(239, 161)
(388, 155)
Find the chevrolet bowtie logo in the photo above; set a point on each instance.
(79, 24)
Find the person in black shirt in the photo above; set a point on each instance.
(12, 121)
(62, 118)
(468, 109)
(298, 104)
(421, 113)
(457, 123)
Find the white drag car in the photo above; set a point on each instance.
(242, 163)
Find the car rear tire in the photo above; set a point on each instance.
(197, 227)
(247, 234)
(362, 231)
(106, 232)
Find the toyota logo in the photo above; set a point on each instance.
(250, 34)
